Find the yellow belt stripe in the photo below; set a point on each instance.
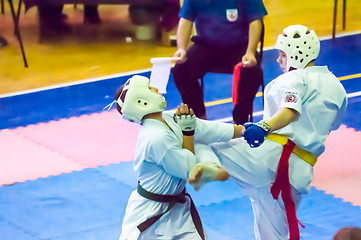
(303, 154)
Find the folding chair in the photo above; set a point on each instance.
(335, 17)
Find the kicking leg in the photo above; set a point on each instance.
(208, 168)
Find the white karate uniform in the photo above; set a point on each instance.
(320, 99)
(162, 166)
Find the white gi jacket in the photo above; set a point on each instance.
(162, 167)
(320, 99)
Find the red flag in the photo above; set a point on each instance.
(236, 76)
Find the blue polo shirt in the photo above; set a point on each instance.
(223, 23)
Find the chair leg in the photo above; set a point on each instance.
(202, 83)
(334, 20)
(2, 7)
(344, 15)
(17, 31)
(251, 115)
(18, 13)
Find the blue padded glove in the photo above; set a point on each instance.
(255, 133)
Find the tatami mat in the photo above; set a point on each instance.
(66, 169)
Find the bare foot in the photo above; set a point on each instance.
(206, 172)
(195, 175)
(222, 175)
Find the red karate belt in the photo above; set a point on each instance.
(282, 185)
(236, 76)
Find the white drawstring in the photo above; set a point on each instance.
(109, 106)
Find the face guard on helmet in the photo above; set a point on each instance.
(300, 45)
(136, 99)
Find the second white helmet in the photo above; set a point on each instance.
(300, 45)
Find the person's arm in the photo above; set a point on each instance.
(184, 32)
(254, 36)
(282, 118)
(256, 132)
(188, 143)
(186, 120)
(238, 131)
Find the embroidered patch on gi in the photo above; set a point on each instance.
(291, 97)
(232, 14)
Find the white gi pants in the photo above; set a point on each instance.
(255, 178)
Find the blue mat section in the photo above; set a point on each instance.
(86, 98)
(65, 206)
(90, 204)
(8, 231)
(58, 103)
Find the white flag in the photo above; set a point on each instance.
(160, 73)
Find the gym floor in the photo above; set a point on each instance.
(66, 165)
(97, 51)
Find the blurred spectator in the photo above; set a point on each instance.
(51, 17)
(91, 14)
(348, 233)
(3, 42)
(162, 16)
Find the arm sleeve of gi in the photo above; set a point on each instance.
(209, 132)
(290, 91)
(340, 114)
(168, 153)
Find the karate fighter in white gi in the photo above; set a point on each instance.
(302, 106)
(160, 208)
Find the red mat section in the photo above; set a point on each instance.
(338, 170)
(56, 147)
(64, 146)
(22, 159)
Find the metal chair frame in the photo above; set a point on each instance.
(335, 18)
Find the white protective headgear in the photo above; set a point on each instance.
(139, 99)
(300, 45)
